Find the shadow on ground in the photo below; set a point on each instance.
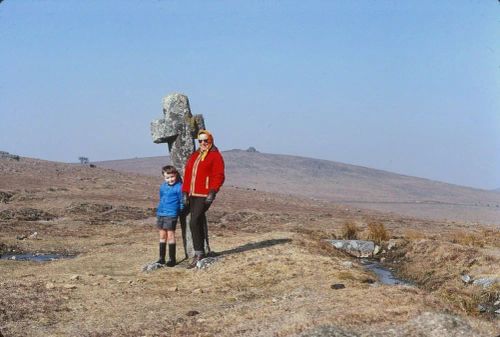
(254, 245)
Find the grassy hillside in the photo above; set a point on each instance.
(343, 183)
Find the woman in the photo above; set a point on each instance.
(203, 177)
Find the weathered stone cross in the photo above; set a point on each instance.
(178, 129)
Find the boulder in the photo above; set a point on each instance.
(358, 248)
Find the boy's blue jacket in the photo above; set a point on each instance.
(170, 200)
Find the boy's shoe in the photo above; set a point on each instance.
(195, 261)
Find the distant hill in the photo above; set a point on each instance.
(342, 183)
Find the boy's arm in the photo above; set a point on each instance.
(181, 198)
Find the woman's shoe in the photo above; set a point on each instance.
(195, 261)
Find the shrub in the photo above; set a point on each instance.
(377, 232)
(349, 230)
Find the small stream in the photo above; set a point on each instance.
(384, 275)
(37, 257)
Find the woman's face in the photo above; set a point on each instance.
(203, 141)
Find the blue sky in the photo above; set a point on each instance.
(406, 86)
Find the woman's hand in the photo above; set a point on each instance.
(210, 198)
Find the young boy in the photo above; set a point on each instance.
(169, 208)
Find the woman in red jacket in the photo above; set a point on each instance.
(203, 177)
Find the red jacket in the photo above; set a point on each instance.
(201, 176)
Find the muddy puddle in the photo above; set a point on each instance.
(384, 274)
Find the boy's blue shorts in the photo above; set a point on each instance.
(166, 223)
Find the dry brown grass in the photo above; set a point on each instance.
(376, 232)
(349, 230)
(413, 234)
(469, 239)
(437, 266)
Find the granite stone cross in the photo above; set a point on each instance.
(178, 128)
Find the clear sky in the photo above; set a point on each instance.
(411, 87)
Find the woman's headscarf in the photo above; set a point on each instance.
(210, 143)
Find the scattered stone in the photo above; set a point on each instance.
(152, 266)
(206, 262)
(21, 237)
(5, 196)
(497, 312)
(485, 282)
(198, 291)
(172, 289)
(393, 243)
(33, 236)
(13, 258)
(69, 286)
(50, 285)
(376, 250)
(481, 308)
(466, 279)
(347, 264)
(358, 248)
(337, 286)
(75, 277)
(192, 313)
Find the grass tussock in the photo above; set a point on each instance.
(349, 230)
(377, 232)
(468, 239)
(468, 299)
(412, 234)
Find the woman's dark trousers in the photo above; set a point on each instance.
(198, 208)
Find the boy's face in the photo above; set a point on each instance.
(170, 178)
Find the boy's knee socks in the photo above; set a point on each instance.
(171, 255)
(163, 252)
